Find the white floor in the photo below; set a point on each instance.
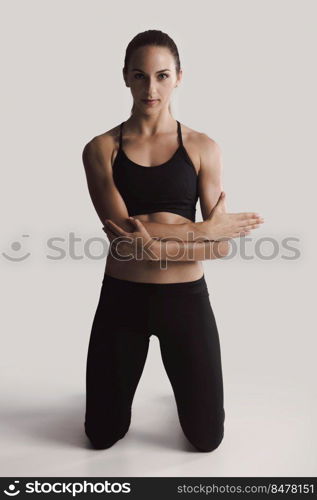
(268, 431)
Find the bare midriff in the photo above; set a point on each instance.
(155, 271)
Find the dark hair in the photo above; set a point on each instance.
(151, 37)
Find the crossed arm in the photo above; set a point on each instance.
(182, 242)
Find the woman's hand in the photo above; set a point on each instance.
(137, 244)
(221, 225)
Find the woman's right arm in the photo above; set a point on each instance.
(108, 202)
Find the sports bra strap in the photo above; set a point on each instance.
(120, 135)
(179, 133)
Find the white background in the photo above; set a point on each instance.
(249, 82)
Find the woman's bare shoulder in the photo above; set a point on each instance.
(108, 138)
(199, 146)
(103, 144)
(101, 148)
(200, 139)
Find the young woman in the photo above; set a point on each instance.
(154, 168)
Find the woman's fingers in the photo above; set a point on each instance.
(115, 228)
(250, 223)
(108, 229)
(247, 215)
(139, 226)
(251, 227)
(240, 233)
(139, 230)
(254, 220)
(109, 232)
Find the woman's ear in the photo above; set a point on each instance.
(179, 77)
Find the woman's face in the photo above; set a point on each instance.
(152, 75)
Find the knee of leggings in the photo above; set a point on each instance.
(206, 439)
(103, 440)
(208, 445)
(100, 444)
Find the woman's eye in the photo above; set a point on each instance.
(137, 75)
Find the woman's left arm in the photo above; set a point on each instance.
(186, 251)
(140, 245)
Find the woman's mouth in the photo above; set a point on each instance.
(150, 101)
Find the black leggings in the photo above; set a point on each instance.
(180, 315)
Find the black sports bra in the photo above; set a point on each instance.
(169, 187)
